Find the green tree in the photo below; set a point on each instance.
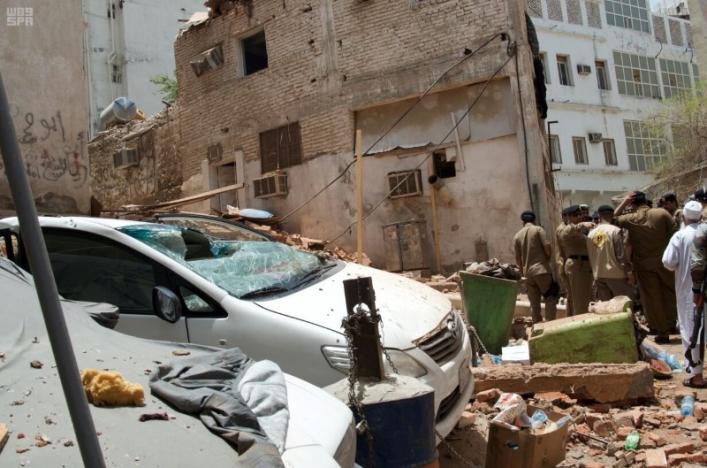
(167, 87)
(686, 116)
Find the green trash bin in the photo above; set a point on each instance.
(489, 304)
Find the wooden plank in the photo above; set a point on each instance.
(4, 435)
(183, 201)
(435, 224)
(359, 196)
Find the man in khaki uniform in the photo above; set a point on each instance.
(560, 261)
(650, 230)
(605, 246)
(572, 242)
(533, 255)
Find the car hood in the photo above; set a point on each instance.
(408, 308)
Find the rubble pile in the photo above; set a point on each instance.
(306, 243)
(630, 434)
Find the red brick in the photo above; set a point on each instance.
(656, 459)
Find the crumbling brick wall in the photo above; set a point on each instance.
(157, 174)
(323, 63)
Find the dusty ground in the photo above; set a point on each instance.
(598, 433)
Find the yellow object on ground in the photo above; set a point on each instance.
(109, 388)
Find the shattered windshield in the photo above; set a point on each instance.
(246, 269)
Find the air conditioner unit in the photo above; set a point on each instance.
(584, 69)
(271, 185)
(126, 157)
(209, 59)
(595, 137)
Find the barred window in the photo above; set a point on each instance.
(636, 75)
(629, 14)
(405, 183)
(676, 77)
(646, 151)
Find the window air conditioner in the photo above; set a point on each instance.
(595, 137)
(272, 185)
(209, 59)
(126, 157)
(584, 69)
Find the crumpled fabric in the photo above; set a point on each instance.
(242, 401)
(495, 269)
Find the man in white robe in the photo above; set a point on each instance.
(677, 258)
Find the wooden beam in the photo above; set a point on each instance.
(183, 201)
(435, 224)
(359, 196)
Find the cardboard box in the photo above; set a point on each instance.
(521, 449)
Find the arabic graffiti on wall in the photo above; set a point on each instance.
(50, 151)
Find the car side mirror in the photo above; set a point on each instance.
(166, 304)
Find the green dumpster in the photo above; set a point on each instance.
(608, 338)
(489, 304)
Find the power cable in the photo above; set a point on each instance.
(467, 55)
(412, 171)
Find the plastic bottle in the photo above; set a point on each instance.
(632, 441)
(539, 419)
(687, 405)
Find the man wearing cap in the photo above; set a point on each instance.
(533, 255)
(572, 242)
(605, 245)
(650, 230)
(676, 258)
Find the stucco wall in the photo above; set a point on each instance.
(43, 70)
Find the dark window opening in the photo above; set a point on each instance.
(280, 148)
(255, 53)
(443, 169)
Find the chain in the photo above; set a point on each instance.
(470, 329)
(385, 351)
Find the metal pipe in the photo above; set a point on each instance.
(46, 290)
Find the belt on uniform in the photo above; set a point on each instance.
(578, 257)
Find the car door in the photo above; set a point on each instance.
(89, 267)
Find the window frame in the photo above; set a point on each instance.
(601, 68)
(612, 159)
(635, 66)
(163, 276)
(627, 14)
(417, 175)
(564, 60)
(639, 136)
(555, 140)
(585, 156)
(672, 77)
(544, 59)
(242, 52)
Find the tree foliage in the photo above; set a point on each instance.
(686, 116)
(167, 87)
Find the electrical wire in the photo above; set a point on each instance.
(467, 55)
(412, 171)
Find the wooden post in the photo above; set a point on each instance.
(366, 338)
(435, 225)
(359, 196)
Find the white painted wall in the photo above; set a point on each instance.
(141, 36)
(584, 108)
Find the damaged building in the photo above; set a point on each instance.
(271, 94)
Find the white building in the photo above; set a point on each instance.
(128, 42)
(609, 65)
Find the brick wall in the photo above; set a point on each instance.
(157, 175)
(325, 60)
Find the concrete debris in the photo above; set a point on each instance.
(603, 383)
(495, 269)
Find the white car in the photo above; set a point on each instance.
(271, 300)
(320, 428)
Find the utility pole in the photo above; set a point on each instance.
(359, 196)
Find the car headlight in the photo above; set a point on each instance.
(338, 358)
(345, 454)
